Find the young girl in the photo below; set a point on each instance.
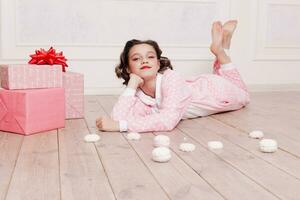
(157, 98)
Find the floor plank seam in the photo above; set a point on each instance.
(104, 169)
(101, 162)
(243, 172)
(59, 170)
(233, 166)
(298, 157)
(138, 155)
(244, 131)
(15, 164)
(179, 157)
(283, 170)
(204, 178)
(287, 136)
(148, 168)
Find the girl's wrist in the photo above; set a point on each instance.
(132, 85)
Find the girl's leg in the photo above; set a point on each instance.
(217, 43)
(221, 39)
(216, 47)
(228, 29)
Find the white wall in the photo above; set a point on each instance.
(92, 33)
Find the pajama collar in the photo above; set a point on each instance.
(148, 100)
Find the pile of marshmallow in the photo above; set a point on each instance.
(162, 153)
(265, 145)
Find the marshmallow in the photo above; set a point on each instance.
(161, 154)
(215, 145)
(92, 137)
(187, 147)
(133, 136)
(256, 134)
(268, 145)
(161, 141)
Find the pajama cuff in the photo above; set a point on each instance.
(123, 125)
(129, 92)
(227, 66)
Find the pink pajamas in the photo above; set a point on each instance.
(177, 99)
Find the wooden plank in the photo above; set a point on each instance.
(264, 174)
(281, 159)
(81, 171)
(107, 102)
(10, 145)
(92, 110)
(176, 177)
(280, 98)
(279, 109)
(279, 128)
(36, 174)
(129, 177)
(229, 182)
(205, 169)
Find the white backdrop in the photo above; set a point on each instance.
(92, 33)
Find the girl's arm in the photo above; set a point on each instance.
(128, 104)
(176, 97)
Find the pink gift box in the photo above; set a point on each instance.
(26, 76)
(32, 111)
(74, 94)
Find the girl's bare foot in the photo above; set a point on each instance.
(216, 45)
(228, 29)
(217, 37)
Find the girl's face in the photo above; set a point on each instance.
(143, 61)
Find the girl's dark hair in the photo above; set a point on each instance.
(122, 68)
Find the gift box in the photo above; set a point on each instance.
(29, 76)
(73, 84)
(32, 111)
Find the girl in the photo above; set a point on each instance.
(157, 98)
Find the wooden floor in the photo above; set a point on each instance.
(60, 165)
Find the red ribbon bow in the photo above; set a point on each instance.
(50, 57)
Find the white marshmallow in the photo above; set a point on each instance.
(256, 134)
(92, 137)
(187, 147)
(133, 136)
(161, 141)
(161, 154)
(215, 145)
(268, 145)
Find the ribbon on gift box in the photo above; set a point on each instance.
(50, 57)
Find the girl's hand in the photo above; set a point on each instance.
(135, 81)
(107, 124)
